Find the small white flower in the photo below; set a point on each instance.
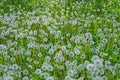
(30, 33)
(61, 67)
(76, 51)
(83, 56)
(8, 78)
(53, 48)
(11, 72)
(71, 54)
(81, 78)
(50, 68)
(38, 71)
(67, 64)
(74, 63)
(46, 75)
(104, 78)
(39, 54)
(68, 34)
(28, 53)
(77, 40)
(25, 71)
(30, 66)
(70, 72)
(35, 32)
(98, 63)
(62, 59)
(47, 59)
(90, 67)
(25, 78)
(96, 78)
(68, 78)
(15, 66)
(80, 66)
(69, 45)
(63, 48)
(36, 62)
(45, 39)
(92, 42)
(50, 78)
(95, 57)
(50, 52)
(104, 40)
(44, 67)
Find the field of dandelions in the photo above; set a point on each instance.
(59, 40)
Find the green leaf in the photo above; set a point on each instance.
(24, 52)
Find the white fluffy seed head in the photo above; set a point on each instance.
(38, 71)
(8, 78)
(90, 67)
(50, 78)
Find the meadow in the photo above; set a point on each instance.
(59, 39)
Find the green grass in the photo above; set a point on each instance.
(76, 17)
